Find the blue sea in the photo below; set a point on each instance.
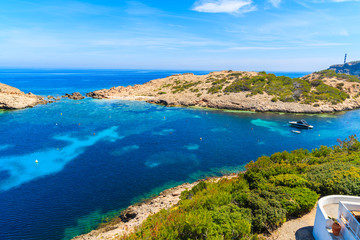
(96, 157)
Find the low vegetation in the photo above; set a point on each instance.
(287, 89)
(182, 86)
(272, 190)
(305, 90)
(331, 74)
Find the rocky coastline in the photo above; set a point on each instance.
(210, 91)
(189, 90)
(135, 215)
(12, 98)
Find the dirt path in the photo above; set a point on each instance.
(296, 229)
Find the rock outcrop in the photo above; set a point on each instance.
(209, 91)
(128, 214)
(352, 68)
(13, 98)
(74, 96)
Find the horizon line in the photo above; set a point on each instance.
(148, 69)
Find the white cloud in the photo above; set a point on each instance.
(275, 3)
(224, 6)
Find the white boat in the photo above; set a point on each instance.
(301, 124)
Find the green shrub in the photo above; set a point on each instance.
(328, 93)
(316, 82)
(340, 86)
(335, 178)
(219, 81)
(267, 213)
(182, 86)
(188, 194)
(289, 180)
(215, 89)
(194, 90)
(233, 222)
(304, 198)
(323, 151)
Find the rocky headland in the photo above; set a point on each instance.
(352, 68)
(320, 92)
(13, 98)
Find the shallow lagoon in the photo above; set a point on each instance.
(96, 157)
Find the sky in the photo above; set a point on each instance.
(270, 35)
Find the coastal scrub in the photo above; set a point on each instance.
(273, 189)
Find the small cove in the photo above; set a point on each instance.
(96, 157)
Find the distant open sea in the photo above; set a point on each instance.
(96, 157)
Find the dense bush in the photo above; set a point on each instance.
(289, 180)
(327, 93)
(286, 184)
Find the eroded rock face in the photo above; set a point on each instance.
(13, 98)
(74, 96)
(352, 68)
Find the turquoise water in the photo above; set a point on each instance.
(96, 157)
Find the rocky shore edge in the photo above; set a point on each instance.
(131, 218)
(12, 98)
(189, 90)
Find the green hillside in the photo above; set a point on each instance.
(272, 190)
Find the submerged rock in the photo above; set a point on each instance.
(13, 98)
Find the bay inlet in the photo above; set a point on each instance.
(96, 157)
